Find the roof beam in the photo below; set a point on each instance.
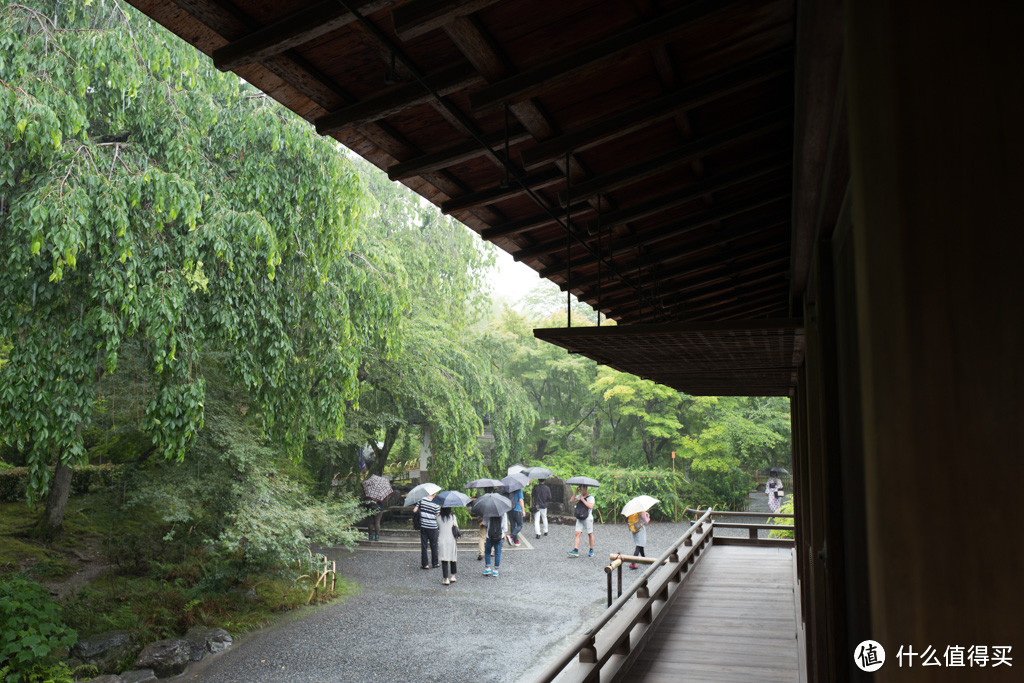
(417, 17)
(290, 32)
(700, 219)
(455, 154)
(530, 222)
(503, 191)
(398, 98)
(677, 156)
(591, 60)
(689, 97)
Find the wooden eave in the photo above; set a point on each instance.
(650, 166)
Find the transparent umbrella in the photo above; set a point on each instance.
(420, 492)
(538, 473)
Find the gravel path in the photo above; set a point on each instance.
(406, 626)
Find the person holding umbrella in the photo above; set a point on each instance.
(584, 519)
(487, 485)
(428, 511)
(541, 498)
(637, 517)
(774, 488)
(447, 533)
(492, 507)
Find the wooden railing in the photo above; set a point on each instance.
(608, 648)
(751, 527)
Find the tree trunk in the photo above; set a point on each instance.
(380, 455)
(52, 521)
(597, 435)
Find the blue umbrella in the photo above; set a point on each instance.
(451, 499)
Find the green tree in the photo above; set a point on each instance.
(144, 196)
(643, 408)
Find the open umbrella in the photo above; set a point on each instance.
(376, 487)
(538, 473)
(421, 492)
(514, 482)
(638, 504)
(516, 469)
(451, 499)
(582, 481)
(482, 484)
(491, 505)
(777, 470)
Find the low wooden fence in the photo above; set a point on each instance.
(751, 527)
(608, 648)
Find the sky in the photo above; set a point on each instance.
(511, 280)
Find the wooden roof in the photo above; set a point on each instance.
(638, 153)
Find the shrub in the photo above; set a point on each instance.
(33, 631)
(785, 508)
(14, 480)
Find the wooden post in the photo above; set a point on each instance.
(588, 655)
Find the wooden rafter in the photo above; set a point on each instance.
(455, 154)
(417, 17)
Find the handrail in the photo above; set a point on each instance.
(587, 639)
(753, 528)
(728, 513)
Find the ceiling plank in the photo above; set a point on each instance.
(531, 222)
(290, 32)
(611, 127)
(592, 59)
(417, 17)
(399, 98)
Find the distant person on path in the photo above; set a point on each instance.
(775, 493)
(638, 522)
(516, 516)
(375, 510)
(428, 511)
(497, 527)
(481, 536)
(584, 512)
(541, 498)
(447, 546)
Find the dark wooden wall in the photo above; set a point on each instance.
(936, 107)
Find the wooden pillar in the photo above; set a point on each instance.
(936, 106)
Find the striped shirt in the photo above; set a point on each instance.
(429, 510)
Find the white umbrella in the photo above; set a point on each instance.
(421, 492)
(639, 504)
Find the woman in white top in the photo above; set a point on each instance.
(447, 546)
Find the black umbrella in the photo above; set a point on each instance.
(583, 481)
(491, 505)
(777, 470)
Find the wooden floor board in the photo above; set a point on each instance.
(734, 621)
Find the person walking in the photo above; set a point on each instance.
(428, 510)
(481, 536)
(638, 522)
(541, 496)
(374, 510)
(516, 517)
(775, 493)
(447, 544)
(584, 512)
(497, 527)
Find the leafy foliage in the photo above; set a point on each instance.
(33, 630)
(146, 196)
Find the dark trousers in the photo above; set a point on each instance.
(447, 569)
(373, 524)
(515, 518)
(428, 536)
(638, 551)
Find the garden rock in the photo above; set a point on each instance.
(138, 676)
(203, 640)
(105, 650)
(166, 658)
(106, 678)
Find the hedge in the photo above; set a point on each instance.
(14, 480)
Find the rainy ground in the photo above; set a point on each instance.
(406, 626)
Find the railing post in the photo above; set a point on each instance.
(588, 654)
(752, 533)
(643, 591)
(620, 579)
(609, 575)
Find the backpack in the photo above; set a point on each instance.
(416, 520)
(581, 511)
(494, 528)
(634, 522)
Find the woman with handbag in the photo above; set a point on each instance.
(447, 544)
